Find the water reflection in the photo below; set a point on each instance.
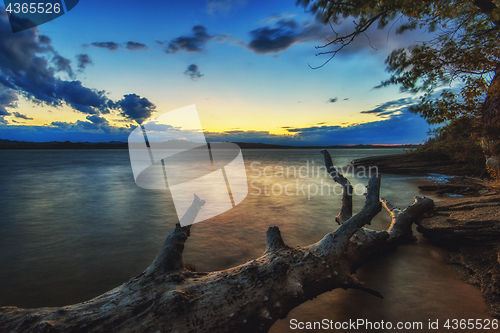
(74, 225)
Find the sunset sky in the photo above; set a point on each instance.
(91, 73)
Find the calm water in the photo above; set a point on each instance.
(73, 225)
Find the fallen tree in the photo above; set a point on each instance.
(167, 297)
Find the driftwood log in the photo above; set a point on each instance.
(167, 297)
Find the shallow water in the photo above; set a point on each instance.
(73, 225)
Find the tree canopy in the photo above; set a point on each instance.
(462, 60)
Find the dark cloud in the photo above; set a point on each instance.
(8, 98)
(28, 66)
(83, 61)
(44, 39)
(81, 98)
(284, 34)
(192, 43)
(62, 64)
(374, 40)
(20, 115)
(98, 120)
(112, 46)
(193, 72)
(136, 108)
(134, 46)
(391, 107)
(332, 100)
(94, 123)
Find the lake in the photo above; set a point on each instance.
(73, 224)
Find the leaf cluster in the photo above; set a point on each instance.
(453, 71)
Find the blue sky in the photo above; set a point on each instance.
(93, 73)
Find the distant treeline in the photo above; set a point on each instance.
(9, 144)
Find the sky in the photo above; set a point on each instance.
(97, 71)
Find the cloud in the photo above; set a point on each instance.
(62, 65)
(29, 66)
(284, 34)
(62, 131)
(397, 129)
(193, 72)
(391, 107)
(94, 124)
(44, 39)
(81, 98)
(374, 40)
(403, 128)
(83, 61)
(8, 98)
(134, 46)
(248, 136)
(136, 108)
(192, 43)
(112, 46)
(314, 129)
(223, 6)
(20, 115)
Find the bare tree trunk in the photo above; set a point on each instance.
(490, 112)
(248, 298)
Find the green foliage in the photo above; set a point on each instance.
(462, 56)
(453, 72)
(454, 144)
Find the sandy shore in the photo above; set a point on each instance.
(465, 221)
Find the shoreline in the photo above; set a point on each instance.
(413, 164)
(465, 221)
(25, 145)
(469, 227)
